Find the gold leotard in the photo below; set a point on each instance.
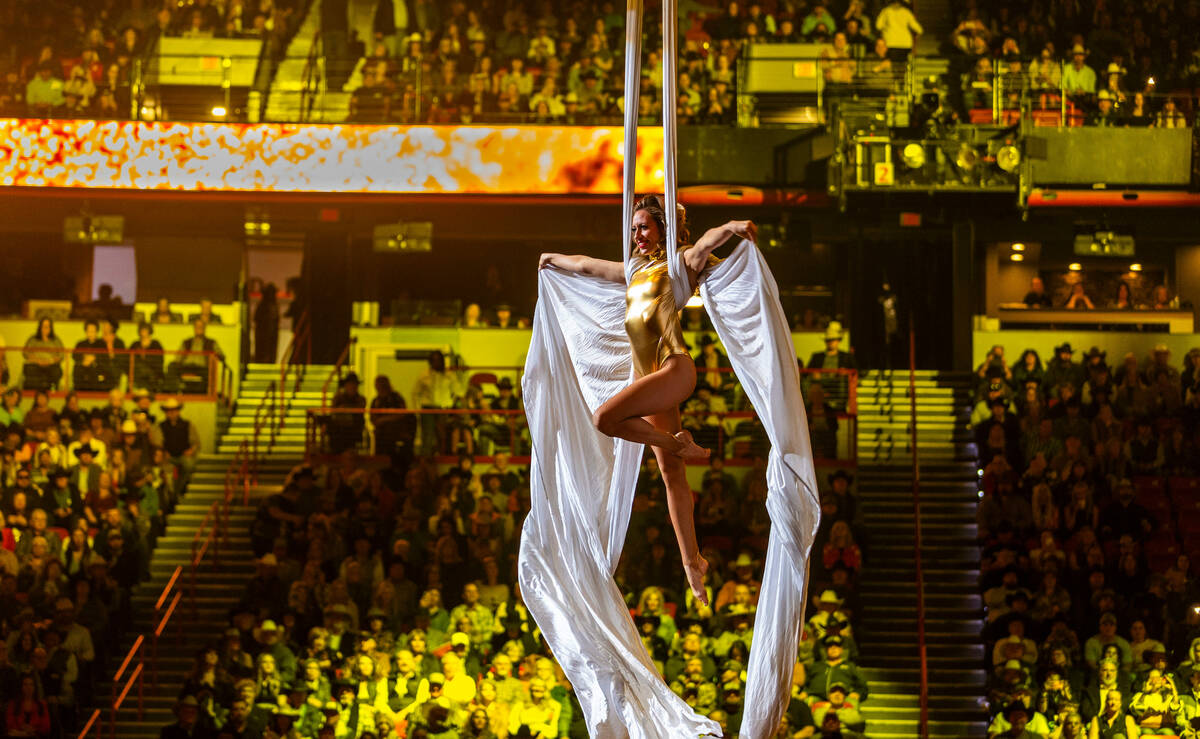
(651, 317)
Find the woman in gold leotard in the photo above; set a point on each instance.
(647, 411)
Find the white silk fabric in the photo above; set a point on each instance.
(582, 484)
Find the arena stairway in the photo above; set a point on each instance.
(284, 97)
(220, 581)
(887, 633)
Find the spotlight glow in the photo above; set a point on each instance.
(1075, 266)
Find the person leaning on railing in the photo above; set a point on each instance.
(148, 363)
(193, 361)
(43, 358)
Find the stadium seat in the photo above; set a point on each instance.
(1046, 118)
(1184, 490)
(980, 116)
(1161, 553)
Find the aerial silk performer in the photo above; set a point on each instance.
(606, 372)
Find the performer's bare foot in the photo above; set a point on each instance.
(695, 571)
(690, 449)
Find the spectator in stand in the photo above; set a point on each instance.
(836, 670)
(1104, 115)
(1078, 299)
(180, 439)
(1114, 720)
(1144, 451)
(1027, 369)
(1037, 296)
(345, 429)
(393, 432)
(44, 93)
(818, 17)
(1063, 371)
(1124, 517)
(1078, 79)
(163, 314)
(899, 29)
(1169, 116)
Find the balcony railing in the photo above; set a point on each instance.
(733, 434)
(57, 371)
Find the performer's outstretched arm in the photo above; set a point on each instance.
(696, 258)
(584, 265)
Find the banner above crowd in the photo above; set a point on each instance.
(485, 160)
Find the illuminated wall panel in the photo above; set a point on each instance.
(544, 160)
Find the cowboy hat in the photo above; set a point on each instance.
(337, 609)
(743, 560)
(187, 700)
(128, 427)
(1078, 50)
(829, 597)
(83, 449)
(171, 404)
(266, 627)
(833, 331)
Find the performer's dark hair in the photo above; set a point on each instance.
(656, 207)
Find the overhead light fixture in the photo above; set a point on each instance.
(1135, 267)
(913, 155)
(219, 111)
(1018, 257)
(1018, 246)
(1008, 158)
(1074, 266)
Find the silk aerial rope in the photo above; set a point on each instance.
(792, 502)
(634, 12)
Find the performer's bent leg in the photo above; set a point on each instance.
(680, 505)
(623, 415)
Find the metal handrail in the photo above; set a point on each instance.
(161, 622)
(336, 372)
(316, 418)
(923, 725)
(136, 675)
(308, 76)
(206, 537)
(301, 339)
(217, 386)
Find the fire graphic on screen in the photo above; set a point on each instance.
(135, 155)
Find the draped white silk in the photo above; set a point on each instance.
(582, 482)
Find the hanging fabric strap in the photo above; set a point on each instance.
(680, 284)
(633, 81)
